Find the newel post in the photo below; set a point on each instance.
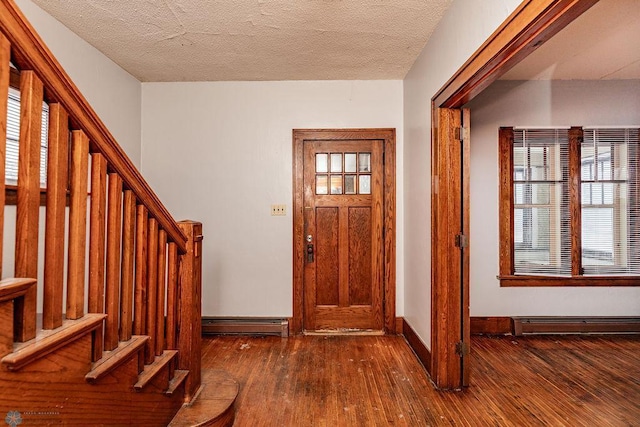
(190, 307)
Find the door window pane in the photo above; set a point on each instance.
(321, 184)
(336, 162)
(336, 184)
(349, 184)
(321, 163)
(350, 162)
(365, 184)
(364, 162)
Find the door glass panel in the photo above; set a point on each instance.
(321, 184)
(336, 184)
(321, 163)
(365, 184)
(350, 162)
(350, 183)
(336, 162)
(364, 162)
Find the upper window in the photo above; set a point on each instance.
(13, 137)
(343, 173)
(569, 206)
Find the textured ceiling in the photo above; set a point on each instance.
(209, 40)
(602, 44)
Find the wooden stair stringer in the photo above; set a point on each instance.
(48, 341)
(112, 359)
(53, 390)
(179, 377)
(151, 371)
(214, 405)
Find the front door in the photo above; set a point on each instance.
(343, 234)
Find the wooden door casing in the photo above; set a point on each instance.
(530, 25)
(387, 270)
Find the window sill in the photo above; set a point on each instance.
(553, 281)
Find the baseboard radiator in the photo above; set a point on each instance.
(575, 325)
(245, 326)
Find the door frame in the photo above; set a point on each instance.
(529, 26)
(388, 136)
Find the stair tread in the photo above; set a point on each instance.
(214, 405)
(14, 287)
(114, 358)
(179, 376)
(150, 371)
(47, 341)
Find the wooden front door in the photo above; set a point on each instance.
(342, 225)
(343, 222)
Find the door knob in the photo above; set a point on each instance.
(310, 252)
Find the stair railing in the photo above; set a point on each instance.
(126, 256)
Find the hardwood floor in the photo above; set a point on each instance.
(377, 381)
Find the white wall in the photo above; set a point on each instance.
(532, 104)
(465, 26)
(221, 153)
(112, 92)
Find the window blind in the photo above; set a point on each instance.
(13, 137)
(542, 240)
(609, 202)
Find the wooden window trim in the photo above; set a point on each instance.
(506, 223)
(537, 281)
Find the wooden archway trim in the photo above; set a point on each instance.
(529, 26)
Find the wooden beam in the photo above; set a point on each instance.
(28, 207)
(5, 60)
(113, 262)
(190, 305)
(446, 256)
(575, 200)
(505, 149)
(140, 294)
(79, 170)
(57, 179)
(128, 255)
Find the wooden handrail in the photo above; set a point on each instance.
(30, 52)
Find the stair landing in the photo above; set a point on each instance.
(213, 406)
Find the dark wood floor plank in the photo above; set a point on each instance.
(377, 381)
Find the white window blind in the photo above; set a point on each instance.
(13, 136)
(542, 240)
(609, 205)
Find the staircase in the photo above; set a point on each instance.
(115, 338)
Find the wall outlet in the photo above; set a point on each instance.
(278, 210)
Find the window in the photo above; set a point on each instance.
(13, 136)
(357, 180)
(569, 210)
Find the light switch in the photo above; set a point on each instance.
(278, 210)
